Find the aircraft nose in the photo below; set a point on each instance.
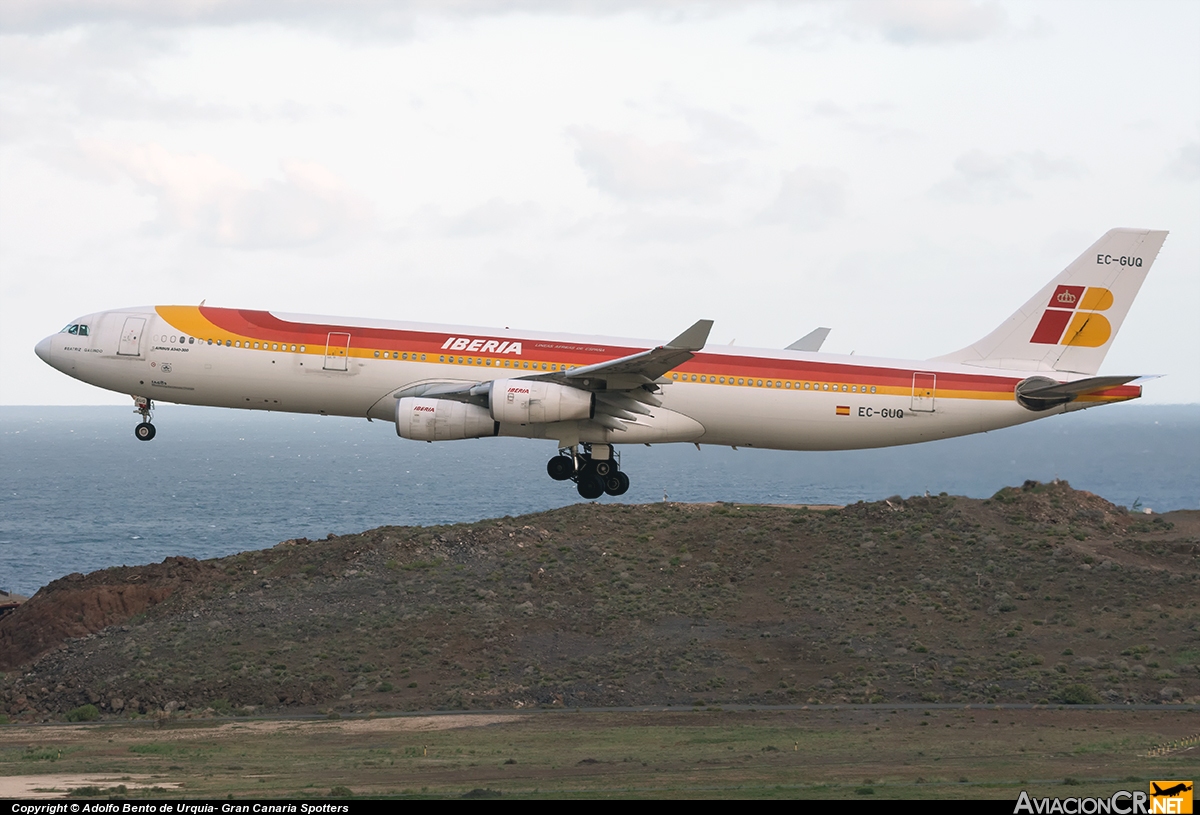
(42, 349)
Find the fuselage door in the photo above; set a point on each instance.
(337, 351)
(924, 387)
(131, 337)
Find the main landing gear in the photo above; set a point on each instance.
(596, 470)
(145, 430)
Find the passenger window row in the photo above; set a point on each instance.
(501, 363)
(769, 383)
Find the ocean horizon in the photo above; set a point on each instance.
(80, 493)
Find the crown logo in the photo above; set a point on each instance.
(1067, 297)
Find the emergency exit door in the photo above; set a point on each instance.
(337, 351)
(924, 389)
(130, 344)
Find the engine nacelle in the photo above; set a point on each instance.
(442, 420)
(525, 401)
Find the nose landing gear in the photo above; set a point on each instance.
(596, 470)
(145, 430)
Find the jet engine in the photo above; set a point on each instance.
(524, 401)
(442, 420)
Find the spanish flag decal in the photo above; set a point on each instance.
(843, 410)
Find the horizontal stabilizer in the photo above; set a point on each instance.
(811, 342)
(1042, 393)
(1078, 388)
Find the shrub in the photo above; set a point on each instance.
(1079, 694)
(83, 713)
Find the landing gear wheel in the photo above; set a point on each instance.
(617, 483)
(560, 468)
(603, 468)
(144, 431)
(590, 486)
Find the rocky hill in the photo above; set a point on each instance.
(1041, 593)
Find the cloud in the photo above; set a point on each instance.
(810, 36)
(1186, 164)
(495, 215)
(978, 175)
(684, 229)
(199, 195)
(627, 167)
(56, 85)
(924, 22)
(809, 198)
(718, 131)
(855, 122)
(367, 17)
(40, 16)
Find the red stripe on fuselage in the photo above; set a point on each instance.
(783, 369)
(263, 325)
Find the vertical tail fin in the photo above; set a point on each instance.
(1069, 325)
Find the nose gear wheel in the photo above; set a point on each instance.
(144, 407)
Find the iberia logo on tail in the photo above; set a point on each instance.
(1072, 317)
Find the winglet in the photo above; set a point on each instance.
(694, 338)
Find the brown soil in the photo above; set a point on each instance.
(78, 605)
(1042, 593)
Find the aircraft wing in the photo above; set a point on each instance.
(623, 386)
(635, 370)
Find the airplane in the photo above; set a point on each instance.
(591, 393)
(1170, 792)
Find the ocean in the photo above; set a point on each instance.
(78, 492)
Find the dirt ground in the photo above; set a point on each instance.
(894, 753)
(55, 786)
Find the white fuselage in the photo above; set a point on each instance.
(727, 396)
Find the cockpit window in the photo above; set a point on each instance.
(75, 329)
(83, 330)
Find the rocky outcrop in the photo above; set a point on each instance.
(77, 605)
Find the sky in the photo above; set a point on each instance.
(907, 172)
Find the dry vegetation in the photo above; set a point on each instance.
(1040, 594)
